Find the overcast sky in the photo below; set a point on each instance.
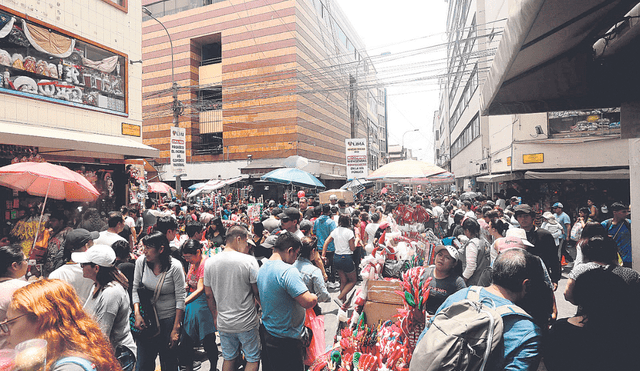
(410, 31)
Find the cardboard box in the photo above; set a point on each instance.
(381, 291)
(342, 194)
(376, 312)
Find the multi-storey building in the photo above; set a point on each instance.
(259, 82)
(68, 92)
(535, 150)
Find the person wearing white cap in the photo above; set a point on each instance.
(108, 302)
(551, 225)
(446, 277)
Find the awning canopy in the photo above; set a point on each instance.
(40, 136)
(578, 174)
(545, 60)
(494, 178)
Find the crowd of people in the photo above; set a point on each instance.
(122, 289)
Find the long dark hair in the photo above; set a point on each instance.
(308, 245)
(9, 254)
(219, 227)
(106, 275)
(158, 240)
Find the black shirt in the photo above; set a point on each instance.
(545, 247)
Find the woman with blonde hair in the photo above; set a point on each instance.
(50, 310)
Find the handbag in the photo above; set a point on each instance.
(148, 311)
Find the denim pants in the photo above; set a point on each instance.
(149, 349)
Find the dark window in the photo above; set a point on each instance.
(210, 99)
(211, 53)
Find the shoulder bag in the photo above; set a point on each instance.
(147, 307)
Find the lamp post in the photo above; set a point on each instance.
(404, 153)
(176, 108)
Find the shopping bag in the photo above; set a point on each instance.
(316, 348)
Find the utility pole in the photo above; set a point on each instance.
(176, 107)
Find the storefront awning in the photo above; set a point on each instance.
(495, 178)
(39, 136)
(579, 174)
(545, 60)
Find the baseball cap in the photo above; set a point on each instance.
(510, 242)
(523, 209)
(519, 233)
(270, 241)
(450, 249)
(79, 237)
(290, 213)
(558, 204)
(101, 255)
(617, 206)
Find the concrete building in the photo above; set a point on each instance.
(259, 83)
(69, 94)
(487, 152)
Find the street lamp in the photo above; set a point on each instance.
(174, 88)
(404, 153)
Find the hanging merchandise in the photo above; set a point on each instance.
(46, 41)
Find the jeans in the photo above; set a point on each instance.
(149, 349)
(280, 354)
(126, 358)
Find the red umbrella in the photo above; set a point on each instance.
(47, 180)
(159, 187)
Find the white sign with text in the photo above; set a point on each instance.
(357, 160)
(178, 150)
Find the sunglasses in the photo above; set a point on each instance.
(4, 325)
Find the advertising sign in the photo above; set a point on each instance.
(533, 158)
(357, 161)
(178, 150)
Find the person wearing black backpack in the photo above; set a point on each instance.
(499, 335)
(619, 228)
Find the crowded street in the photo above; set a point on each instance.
(319, 185)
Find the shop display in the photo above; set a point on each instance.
(49, 64)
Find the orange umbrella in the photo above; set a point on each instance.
(406, 169)
(159, 187)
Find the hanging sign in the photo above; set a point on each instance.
(178, 150)
(357, 161)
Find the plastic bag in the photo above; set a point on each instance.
(576, 231)
(316, 348)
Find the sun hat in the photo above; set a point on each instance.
(101, 255)
(550, 217)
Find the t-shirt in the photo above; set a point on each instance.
(108, 238)
(322, 228)
(72, 274)
(172, 292)
(622, 235)
(563, 220)
(230, 275)
(545, 247)
(7, 288)
(519, 348)
(193, 276)
(341, 237)
(111, 310)
(371, 230)
(441, 289)
(130, 222)
(279, 284)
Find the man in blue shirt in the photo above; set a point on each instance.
(619, 228)
(563, 219)
(322, 228)
(519, 348)
(284, 298)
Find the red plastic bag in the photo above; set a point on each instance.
(316, 348)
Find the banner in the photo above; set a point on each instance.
(357, 159)
(178, 150)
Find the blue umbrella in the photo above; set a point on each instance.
(292, 176)
(197, 185)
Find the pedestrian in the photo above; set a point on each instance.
(322, 228)
(593, 210)
(344, 240)
(230, 284)
(198, 327)
(157, 270)
(49, 309)
(544, 245)
(552, 226)
(565, 222)
(591, 229)
(284, 298)
(115, 224)
(446, 279)
(216, 233)
(13, 267)
(108, 302)
(310, 271)
(475, 255)
(58, 223)
(619, 228)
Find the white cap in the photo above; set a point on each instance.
(450, 249)
(520, 233)
(101, 255)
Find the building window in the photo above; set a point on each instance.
(210, 99)
(211, 53)
(119, 4)
(471, 132)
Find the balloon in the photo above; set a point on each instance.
(300, 194)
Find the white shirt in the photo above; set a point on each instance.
(71, 273)
(341, 237)
(108, 238)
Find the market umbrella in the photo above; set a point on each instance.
(295, 161)
(195, 186)
(358, 185)
(159, 187)
(443, 178)
(292, 176)
(468, 195)
(47, 180)
(406, 169)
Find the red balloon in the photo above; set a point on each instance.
(300, 194)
